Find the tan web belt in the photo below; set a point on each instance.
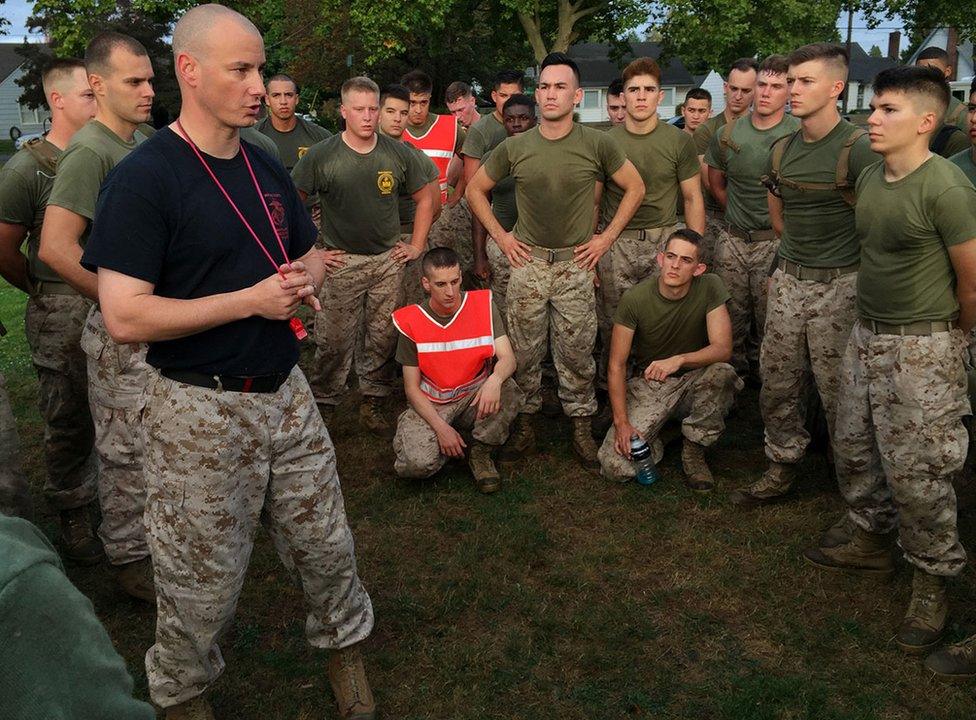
(53, 287)
(551, 255)
(642, 233)
(763, 235)
(921, 327)
(801, 272)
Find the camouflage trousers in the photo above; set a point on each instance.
(217, 463)
(714, 225)
(700, 398)
(15, 498)
(807, 327)
(117, 377)
(453, 229)
(553, 302)
(626, 263)
(744, 266)
(357, 298)
(501, 273)
(53, 325)
(413, 291)
(418, 454)
(900, 439)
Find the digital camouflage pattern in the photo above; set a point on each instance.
(744, 266)
(501, 274)
(53, 326)
(363, 293)
(453, 230)
(900, 440)
(413, 291)
(15, 496)
(700, 398)
(553, 301)
(418, 454)
(216, 464)
(116, 388)
(808, 324)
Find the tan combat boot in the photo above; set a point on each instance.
(328, 414)
(136, 579)
(698, 477)
(583, 444)
(197, 708)
(839, 533)
(773, 486)
(925, 620)
(954, 662)
(866, 553)
(483, 468)
(372, 418)
(349, 685)
(78, 541)
(522, 439)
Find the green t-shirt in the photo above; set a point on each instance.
(555, 181)
(702, 137)
(249, 134)
(746, 206)
(966, 161)
(359, 193)
(92, 153)
(292, 145)
(818, 225)
(25, 184)
(483, 137)
(662, 327)
(905, 228)
(406, 206)
(58, 660)
(406, 351)
(664, 157)
(954, 114)
(503, 203)
(954, 144)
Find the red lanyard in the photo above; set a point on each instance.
(294, 323)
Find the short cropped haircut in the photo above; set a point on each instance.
(442, 257)
(934, 53)
(616, 87)
(418, 82)
(688, 235)
(360, 83)
(775, 65)
(744, 64)
(698, 94)
(829, 53)
(100, 49)
(508, 77)
(926, 82)
(282, 77)
(58, 69)
(395, 91)
(642, 66)
(519, 100)
(457, 90)
(559, 58)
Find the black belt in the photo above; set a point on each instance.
(230, 383)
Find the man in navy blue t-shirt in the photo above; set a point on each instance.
(204, 250)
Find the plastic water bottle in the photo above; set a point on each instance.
(640, 453)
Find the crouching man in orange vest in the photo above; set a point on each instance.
(457, 373)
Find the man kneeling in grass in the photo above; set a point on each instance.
(683, 343)
(457, 373)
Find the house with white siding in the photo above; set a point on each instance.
(12, 113)
(960, 56)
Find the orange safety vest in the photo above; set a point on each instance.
(438, 144)
(453, 359)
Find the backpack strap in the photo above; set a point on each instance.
(725, 140)
(45, 154)
(842, 179)
(778, 149)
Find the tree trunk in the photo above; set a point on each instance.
(530, 23)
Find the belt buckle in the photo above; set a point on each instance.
(551, 256)
(220, 385)
(642, 234)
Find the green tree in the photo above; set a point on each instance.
(875, 52)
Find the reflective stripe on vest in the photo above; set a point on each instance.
(438, 144)
(453, 359)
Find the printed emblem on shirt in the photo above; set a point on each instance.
(301, 152)
(278, 214)
(385, 182)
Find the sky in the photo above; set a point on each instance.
(16, 11)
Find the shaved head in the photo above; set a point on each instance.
(193, 33)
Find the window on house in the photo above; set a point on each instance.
(859, 102)
(591, 99)
(32, 117)
(667, 96)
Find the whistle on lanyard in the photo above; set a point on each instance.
(298, 328)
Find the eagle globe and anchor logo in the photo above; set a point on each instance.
(385, 181)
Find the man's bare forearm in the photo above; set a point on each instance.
(13, 263)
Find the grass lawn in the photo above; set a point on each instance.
(565, 596)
